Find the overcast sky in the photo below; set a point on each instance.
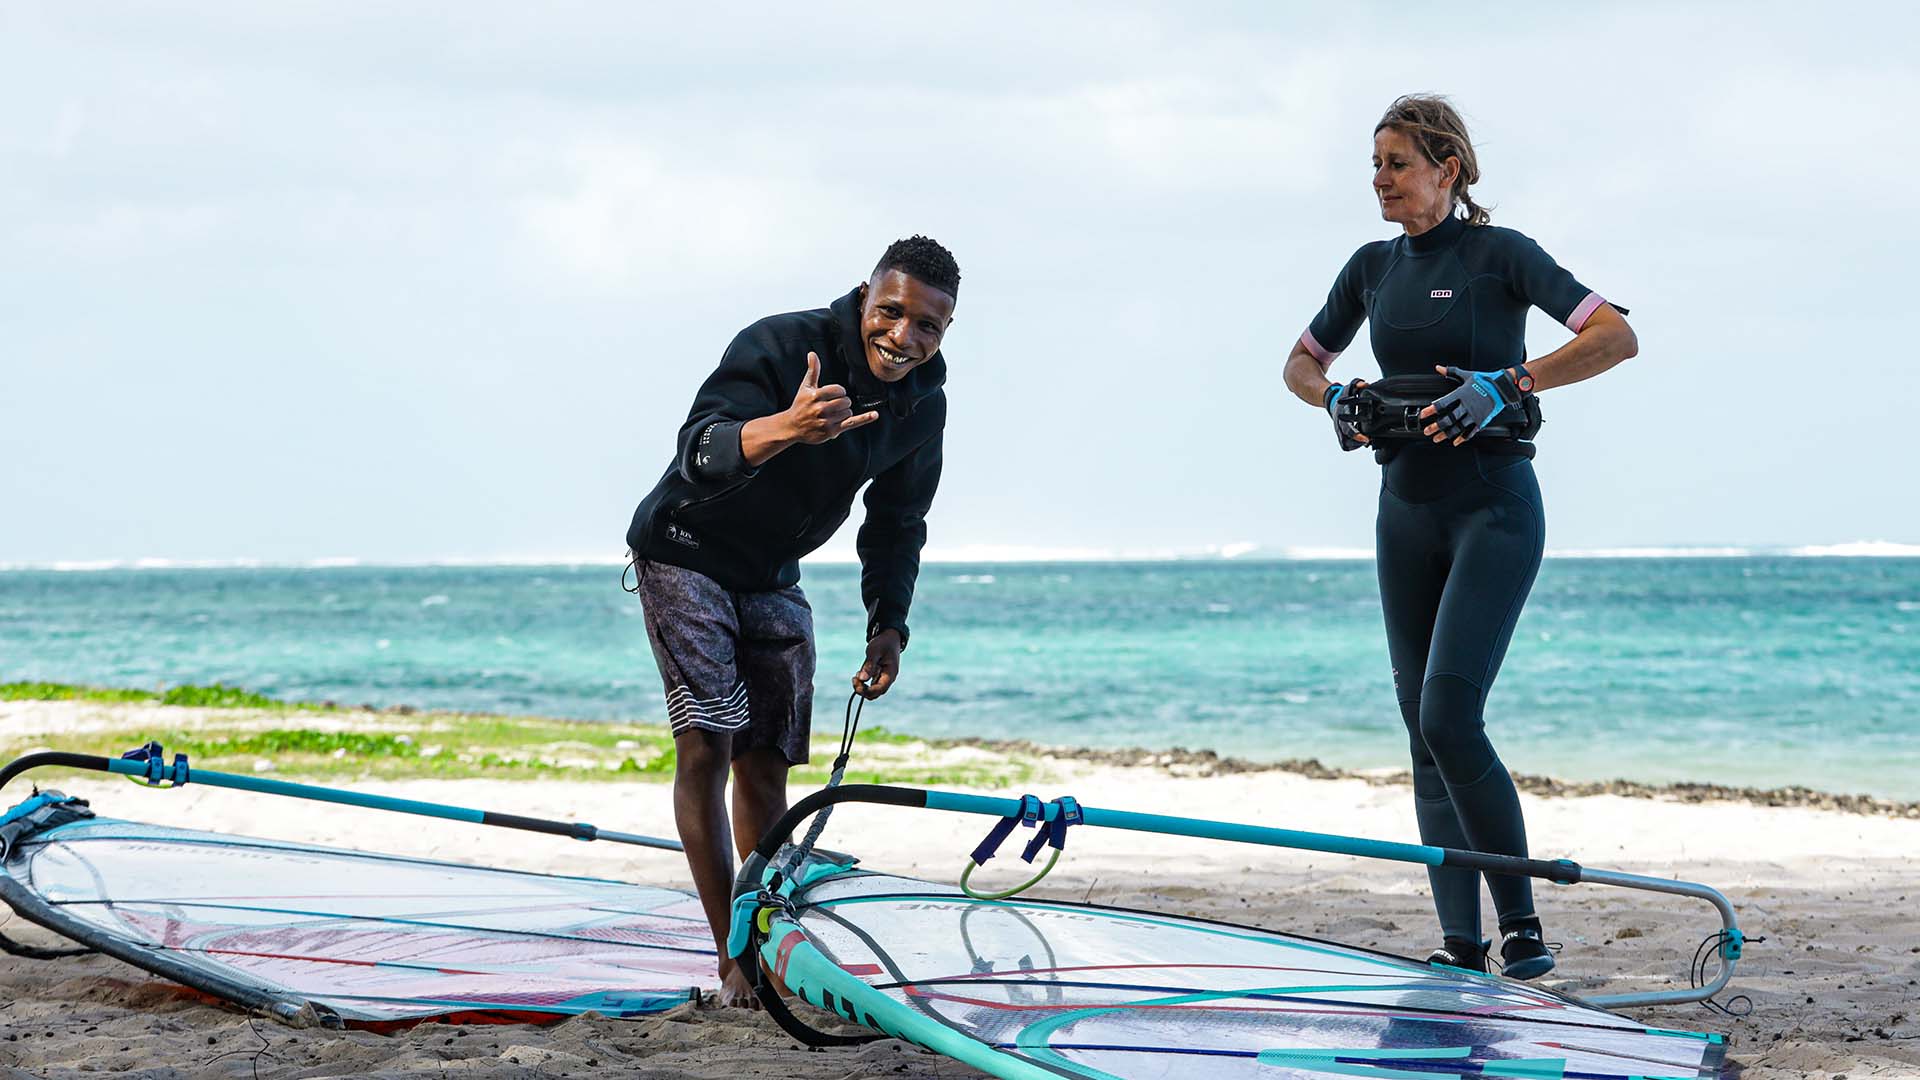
(303, 280)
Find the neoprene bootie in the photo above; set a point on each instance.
(1523, 951)
(1461, 953)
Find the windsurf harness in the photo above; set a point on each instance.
(1389, 410)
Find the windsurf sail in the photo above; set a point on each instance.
(1028, 988)
(148, 767)
(336, 937)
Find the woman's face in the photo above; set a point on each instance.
(1413, 192)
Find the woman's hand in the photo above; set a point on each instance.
(1481, 396)
(1348, 435)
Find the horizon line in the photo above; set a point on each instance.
(1000, 555)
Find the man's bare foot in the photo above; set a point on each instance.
(735, 991)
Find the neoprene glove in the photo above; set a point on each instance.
(1481, 396)
(1342, 430)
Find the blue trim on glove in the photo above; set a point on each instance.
(1481, 396)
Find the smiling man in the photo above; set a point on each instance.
(804, 409)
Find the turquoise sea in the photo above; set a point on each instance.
(1757, 670)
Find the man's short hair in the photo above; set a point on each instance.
(923, 258)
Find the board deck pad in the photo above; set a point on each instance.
(373, 940)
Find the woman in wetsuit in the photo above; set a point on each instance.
(1460, 529)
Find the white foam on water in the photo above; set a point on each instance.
(977, 554)
(1654, 553)
(1877, 549)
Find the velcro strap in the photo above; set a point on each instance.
(1054, 833)
(1032, 810)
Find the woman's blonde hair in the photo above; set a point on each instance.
(1435, 127)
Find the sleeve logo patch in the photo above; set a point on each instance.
(1440, 294)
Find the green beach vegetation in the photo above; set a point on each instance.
(216, 696)
(236, 730)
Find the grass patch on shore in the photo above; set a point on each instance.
(217, 696)
(236, 730)
(47, 691)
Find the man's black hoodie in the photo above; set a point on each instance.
(748, 528)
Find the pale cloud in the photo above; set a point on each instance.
(122, 230)
(67, 127)
(441, 238)
(1827, 126)
(1190, 134)
(627, 218)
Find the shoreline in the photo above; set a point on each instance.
(1175, 761)
(1180, 761)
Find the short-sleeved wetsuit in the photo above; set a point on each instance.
(1460, 530)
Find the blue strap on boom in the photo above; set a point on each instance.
(154, 756)
(1051, 829)
(1053, 834)
(1050, 822)
(1031, 812)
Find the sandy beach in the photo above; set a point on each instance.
(1833, 990)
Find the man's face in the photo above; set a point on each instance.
(902, 320)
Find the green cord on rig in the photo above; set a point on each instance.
(1051, 820)
(967, 874)
(151, 785)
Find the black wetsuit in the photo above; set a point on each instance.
(747, 528)
(1461, 529)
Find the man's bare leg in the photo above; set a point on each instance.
(759, 795)
(759, 798)
(700, 815)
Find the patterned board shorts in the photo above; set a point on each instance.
(736, 663)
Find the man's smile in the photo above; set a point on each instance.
(892, 358)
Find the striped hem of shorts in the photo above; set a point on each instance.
(727, 713)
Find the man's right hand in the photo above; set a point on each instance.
(821, 413)
(818, 414)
